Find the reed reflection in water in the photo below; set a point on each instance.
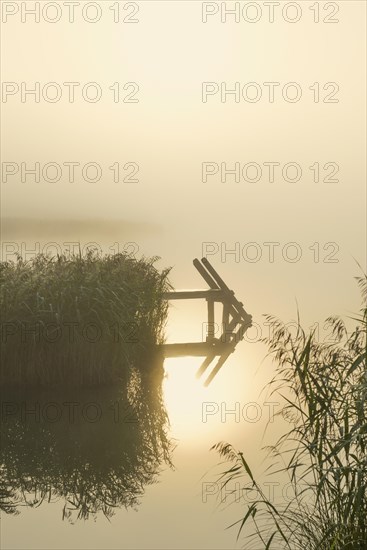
(94, 449)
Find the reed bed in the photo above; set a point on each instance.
(323, 457)
(81, 320)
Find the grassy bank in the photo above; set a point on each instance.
(80, 321)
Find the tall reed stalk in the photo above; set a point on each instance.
(323, 389)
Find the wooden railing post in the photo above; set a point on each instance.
(210, 326)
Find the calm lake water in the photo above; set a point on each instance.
(78, 458)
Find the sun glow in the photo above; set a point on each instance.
(184, 396)
(187, 399)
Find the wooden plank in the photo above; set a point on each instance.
(225, 316)
(214, 294)
(218, 366)
(240, 333)
(205, 275)
(195, 349)
(205, 364)
(227, 325)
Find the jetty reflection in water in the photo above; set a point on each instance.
(94, 449)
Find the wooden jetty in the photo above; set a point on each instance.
(235, 321)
